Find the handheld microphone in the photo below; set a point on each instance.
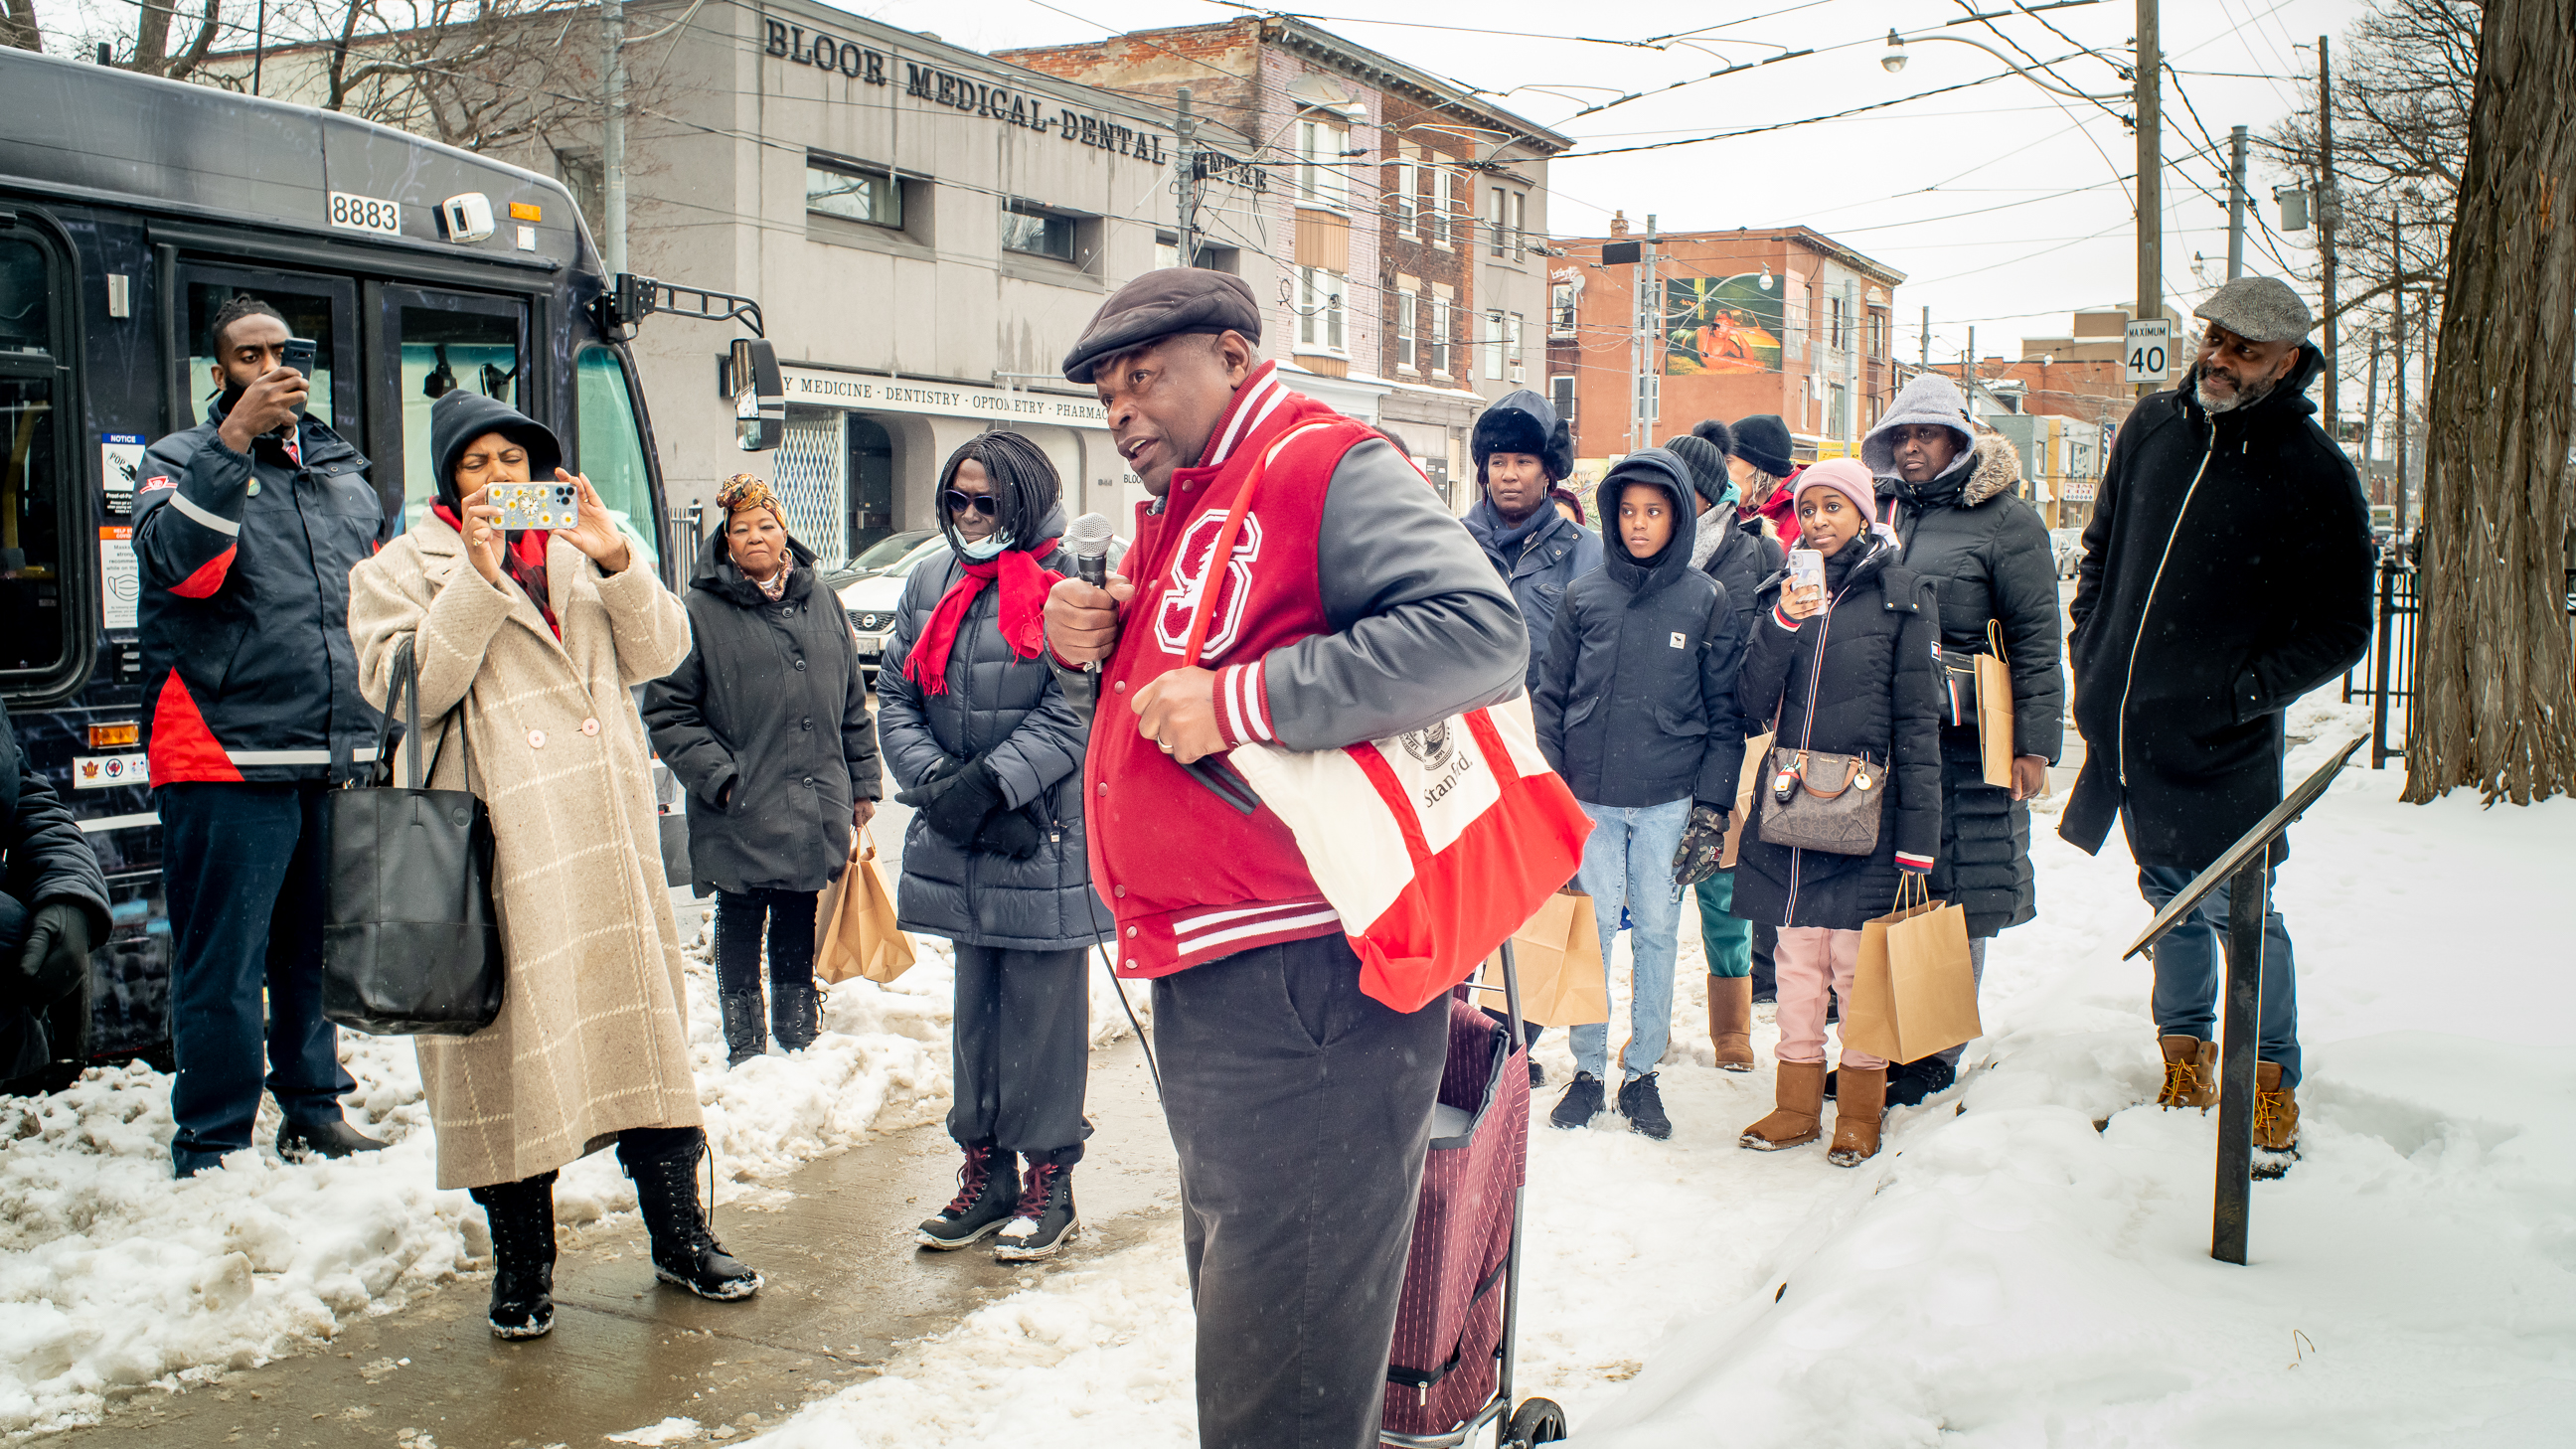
(1088, 541)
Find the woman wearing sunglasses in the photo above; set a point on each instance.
(975, 727)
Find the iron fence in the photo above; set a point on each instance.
(2386, 675)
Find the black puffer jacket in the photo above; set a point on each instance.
(1874, 695)
(2226, 572)
(1011, 711)
(1989, 558)
(766, 723)
(1635, 702)
(44, 858)
(1744, 558)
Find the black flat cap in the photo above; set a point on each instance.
(1167, 302)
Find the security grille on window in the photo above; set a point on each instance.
(1319, 310)
(853, 194)
(1560, 309)
(1440, 325)
(1037, 232)
(1406, 339)
(1320, 177)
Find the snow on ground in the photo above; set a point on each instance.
(114, 1277)
(2009, 1273)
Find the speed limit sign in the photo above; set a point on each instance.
(2148, 348)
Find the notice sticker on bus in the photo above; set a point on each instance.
(365, 213)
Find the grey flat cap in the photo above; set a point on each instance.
(2258, 309)
(1167, 302)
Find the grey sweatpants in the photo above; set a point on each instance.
(1021, 1049)
(1302, 1110)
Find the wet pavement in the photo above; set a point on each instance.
(846, 1289)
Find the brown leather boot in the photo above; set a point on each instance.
(2276, 1110)
(1860, 1100)
(2191, 1073)
(1799, 1118)
(1730, 1021)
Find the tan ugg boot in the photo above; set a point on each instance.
(1799, 1117)
(1860, 1100)
(2191, 1073)
(1730, 1021)
(2276, 1110)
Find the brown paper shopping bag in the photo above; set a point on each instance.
(1756, 751)
(859, 934)
(1557, 955)
(1995, 709)
(1915, 991)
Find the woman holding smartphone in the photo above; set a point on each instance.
(527, 644)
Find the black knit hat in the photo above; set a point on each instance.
(1763, 441)
(1716, 434)
(1707, 465)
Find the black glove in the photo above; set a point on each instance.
(1703, 845)
(955, 805)
(55, 960)
(1011, 833)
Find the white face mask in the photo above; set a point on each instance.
(987, 548)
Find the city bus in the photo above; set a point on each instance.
(131, 208)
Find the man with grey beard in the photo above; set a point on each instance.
(2226, 572)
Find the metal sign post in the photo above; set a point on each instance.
(2246, 870)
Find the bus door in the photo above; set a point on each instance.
(323, 308)
(46, 623)
(431, 343)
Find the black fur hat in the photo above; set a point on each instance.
(1523, 423)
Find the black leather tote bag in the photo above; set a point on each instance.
(410, 946)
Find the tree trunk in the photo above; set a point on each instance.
(151, 36)
(2495, 701)
(18, 27)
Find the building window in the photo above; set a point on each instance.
(1560, 396)
(853, 194)
(1837, 323)
(1443, 201)
(1837, 410)
(1512, 347)
(1440, 325)
(1037, 232)
(1319, 311)
(1321, 179)
(1405, 338)
(1489, 344)
(1560, 309)
(1520, 226)
(1498, 207)
(1167, 250)
(1401, 206)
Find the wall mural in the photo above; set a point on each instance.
(1721, 325)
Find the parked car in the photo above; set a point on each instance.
(870, 597)
(2068, 545)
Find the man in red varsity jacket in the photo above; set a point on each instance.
(1348, 606)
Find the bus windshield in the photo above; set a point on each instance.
(611, 448)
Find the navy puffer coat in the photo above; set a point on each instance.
(1012, 711)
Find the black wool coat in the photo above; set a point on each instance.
(1855, 680)
(1635, 702)
(1011, 711)
(1990, 560)
(766, 724)
(2226, 572)
(1743, 559)
(44, 859)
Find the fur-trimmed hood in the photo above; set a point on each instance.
(1992, 468)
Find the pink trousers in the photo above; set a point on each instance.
(1807, 960)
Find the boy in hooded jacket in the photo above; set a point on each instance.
(1635, 707)
(1848, 667)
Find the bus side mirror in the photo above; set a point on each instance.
(759, 395)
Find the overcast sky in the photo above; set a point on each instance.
(2044, 175)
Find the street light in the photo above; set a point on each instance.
(1896, 57)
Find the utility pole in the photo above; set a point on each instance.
(2370, 407)
(1185, 157)
(1968, 375)
(2151, 163)
(2328, 206)
(1650, 325)
(2236, 203)
(2395, 220)
(612, 159)
(1852, 335)
(1927, 338)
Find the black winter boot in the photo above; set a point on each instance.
(746, 1034)
(985, 1200)
(1045, 1220)
(685, 1254)
(1641, 1101)
(522, 1215)
(795, 1012)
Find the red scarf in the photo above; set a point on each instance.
(1023, 615)
(524, 560)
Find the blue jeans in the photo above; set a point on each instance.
(1628, 865)
(2186, 1000)
(244, 870)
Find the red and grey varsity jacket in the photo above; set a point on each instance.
(248, 672)
(1352, 607)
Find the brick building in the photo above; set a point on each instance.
(1399, 223)
(1784, 321)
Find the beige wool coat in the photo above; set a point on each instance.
(592, 1036)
